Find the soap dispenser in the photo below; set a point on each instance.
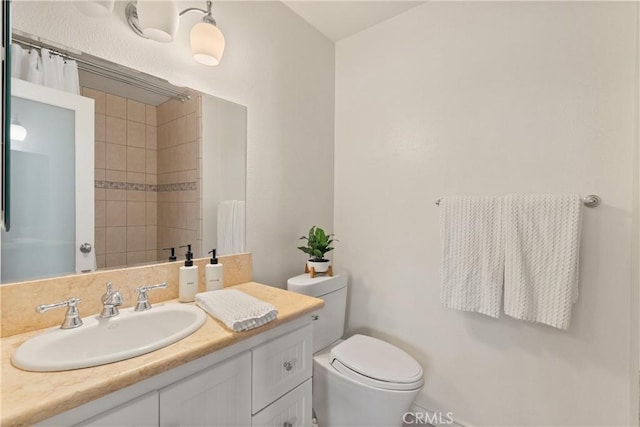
(172, 257)
(213, 273)
(188, 286)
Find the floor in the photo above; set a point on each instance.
(315, 424)
(416, 424)
(420, 423)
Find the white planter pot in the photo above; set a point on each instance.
(319, 267)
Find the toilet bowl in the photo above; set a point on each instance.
(363, 381)
(359, 381)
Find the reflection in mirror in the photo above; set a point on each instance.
(169, 170)
(52, 204)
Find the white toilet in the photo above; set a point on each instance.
(360, 381)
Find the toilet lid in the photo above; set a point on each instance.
(377, 363)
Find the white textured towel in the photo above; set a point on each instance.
(231, 219)
(237, 310)
(542, 241)
(473, 253)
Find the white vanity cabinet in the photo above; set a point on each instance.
(217, 397)
(143, 411)
(291, 410)
(264, 381)
(280, 366)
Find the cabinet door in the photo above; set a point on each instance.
(218, 396)
(280, 365)
(141, 412)
(291, 410)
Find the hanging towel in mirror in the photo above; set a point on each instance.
(231, 226)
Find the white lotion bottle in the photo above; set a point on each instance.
(188, 286)
(214, 274)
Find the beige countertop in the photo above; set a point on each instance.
(29, 397)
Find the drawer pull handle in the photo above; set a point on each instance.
(287, 424)
(288, 365)
(315, 317)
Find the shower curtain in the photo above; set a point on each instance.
(45, 68)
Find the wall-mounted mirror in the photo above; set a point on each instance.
(168, 169)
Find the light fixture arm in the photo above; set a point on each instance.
(131, 13)
(207, 13)
(207, 41)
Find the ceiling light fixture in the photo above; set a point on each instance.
(158, 19)
(95, 9)
(18, 132)
(207, 41)
(148, 20)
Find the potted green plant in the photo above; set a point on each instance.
(318, 244)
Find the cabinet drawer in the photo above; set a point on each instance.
(291, 410)
(280, 365)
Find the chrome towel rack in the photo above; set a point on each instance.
(590, 201)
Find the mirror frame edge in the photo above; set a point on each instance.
(6, 112)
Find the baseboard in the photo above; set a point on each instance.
(424, 416)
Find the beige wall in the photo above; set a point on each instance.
(635, 299)
(493, 98)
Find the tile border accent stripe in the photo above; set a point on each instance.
(119, 185)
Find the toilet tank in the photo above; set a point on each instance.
(328, 322)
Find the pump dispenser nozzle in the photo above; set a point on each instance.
(188, 255)
(214, 260)
(213, 273)
(172, 257)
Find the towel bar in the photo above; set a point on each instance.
(590, 201)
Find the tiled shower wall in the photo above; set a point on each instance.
(125, 180)
(146, 178)
(179, 138)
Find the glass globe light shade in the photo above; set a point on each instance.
(207, 43)
(95, 9)
(158, 19)
(18, 132)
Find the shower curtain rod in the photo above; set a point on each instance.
(92, 65)
(590, 201)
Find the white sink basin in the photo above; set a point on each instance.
(100, 341)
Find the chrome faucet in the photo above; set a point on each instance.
(111, 300)
(72, 317)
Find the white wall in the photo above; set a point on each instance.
(492, 98)
(276, 65)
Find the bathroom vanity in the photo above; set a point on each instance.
(214, 377)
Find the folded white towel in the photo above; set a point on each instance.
(542, 244)
(472, 253)
(236, 309)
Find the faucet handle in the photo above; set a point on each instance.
(72, 317)
(143, 299)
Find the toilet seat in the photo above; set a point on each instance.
(376, 363)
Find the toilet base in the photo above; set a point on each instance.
(340, 401)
